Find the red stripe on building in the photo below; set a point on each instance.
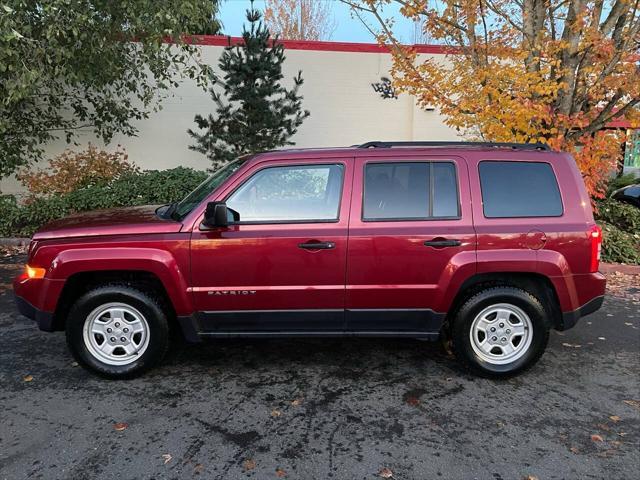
(224, 40)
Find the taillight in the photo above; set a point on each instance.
(595, 234)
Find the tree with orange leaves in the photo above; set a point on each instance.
(299, 19)
(552, 71)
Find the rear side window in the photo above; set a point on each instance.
(410, 191)
(519, 189)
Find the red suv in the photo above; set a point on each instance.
(489, 245)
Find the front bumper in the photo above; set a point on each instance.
(569, 319)
(42, 318)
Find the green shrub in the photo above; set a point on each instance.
(622, 215)
(621, 181)
(619, 246)
(8, 212)
(145, 188)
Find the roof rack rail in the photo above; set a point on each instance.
(514, 146)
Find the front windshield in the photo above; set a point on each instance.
(202, 191)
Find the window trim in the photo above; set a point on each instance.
(431, 184)
(555, 177)
(292, 222)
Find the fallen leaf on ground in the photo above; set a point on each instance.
(530, 477)
(280, 473)
(574, 450)
(276, 413)
(622, 285)
(198, 468)
(297, 402)
(385, 472)
(120, 426)
(413, 401)
(167, 457)
(596, 438)
(615, 418)
(633, 403)
(28, 378)
(249, 464)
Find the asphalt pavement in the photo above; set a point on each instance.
(322, 409)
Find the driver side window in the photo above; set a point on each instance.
(295, 193)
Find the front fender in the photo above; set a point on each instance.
(160, 263)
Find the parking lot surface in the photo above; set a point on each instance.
(322, 409)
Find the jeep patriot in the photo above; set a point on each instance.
(486, 245)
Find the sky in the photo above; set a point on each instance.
(348, 28)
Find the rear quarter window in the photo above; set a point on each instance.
(519, 189)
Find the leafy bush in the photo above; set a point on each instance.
(130, 189)
(621, 181)
(620, 224)
(619, 246)
(71, 170)
(622, 215)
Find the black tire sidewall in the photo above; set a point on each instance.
(155, 317)
(520, 298)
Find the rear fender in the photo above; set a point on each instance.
(554, 265)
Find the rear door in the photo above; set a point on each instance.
(410, 228)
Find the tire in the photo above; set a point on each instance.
(526, 331)
(117, 331)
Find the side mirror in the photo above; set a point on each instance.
(216, 215)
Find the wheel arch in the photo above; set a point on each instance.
(539, 285)
(81, 282)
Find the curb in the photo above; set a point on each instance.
(620, 268)
(14, 242)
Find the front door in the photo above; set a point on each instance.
(281, 267)
(410, 230)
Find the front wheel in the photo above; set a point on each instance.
(117, 331)
(500, 331)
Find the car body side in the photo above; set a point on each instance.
(547, 254)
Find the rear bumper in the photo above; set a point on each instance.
(42, 318)
(569, 319)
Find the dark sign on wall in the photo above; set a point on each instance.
(385, 88)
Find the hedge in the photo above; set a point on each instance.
(620, 223)
(148, 187)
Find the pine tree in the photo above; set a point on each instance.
(254, 111)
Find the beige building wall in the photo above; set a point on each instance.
(337, 90)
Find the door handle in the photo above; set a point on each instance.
(441, 243)
(317, 245)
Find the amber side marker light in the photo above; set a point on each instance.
(35, 272)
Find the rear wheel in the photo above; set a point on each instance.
(117, 331)
(500, 331)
